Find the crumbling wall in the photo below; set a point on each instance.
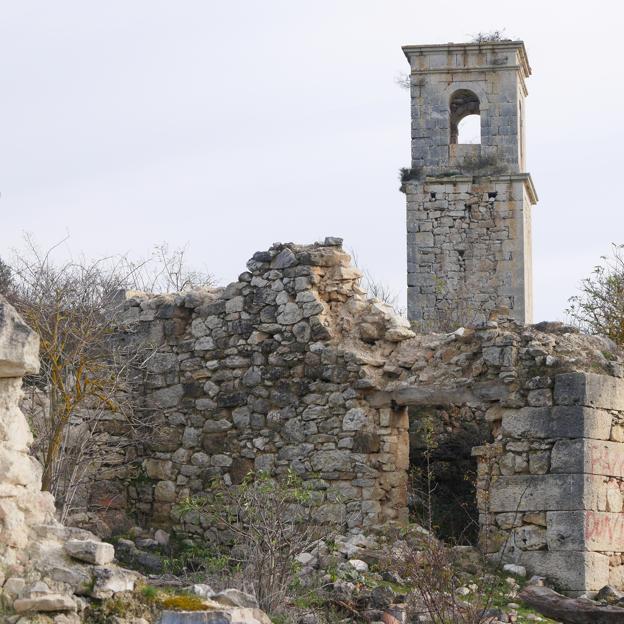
(272, 374)
(293, 368)
(549, 484)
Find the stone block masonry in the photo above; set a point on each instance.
(552, 486)
(468, 250)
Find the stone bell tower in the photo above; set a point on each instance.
(468, 199)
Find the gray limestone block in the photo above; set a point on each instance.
(585, 530)
(549, 492)
(595, 457)
(571, 571)
(573, 421)
(91, 551)
(589, 389)
(424, 239)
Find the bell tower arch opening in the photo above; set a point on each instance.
(464, 117)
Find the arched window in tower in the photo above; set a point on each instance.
(465, 117)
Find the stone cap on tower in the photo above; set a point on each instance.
(467, 57)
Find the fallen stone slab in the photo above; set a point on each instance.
(47, 602)
(231, 616)
(236, 598)
(99, 553)
(110, 581)
(570, 610)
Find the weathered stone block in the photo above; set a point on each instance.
(529, 537)
(45, 603)
(572, 571)
(230, 616)
(165, 491)
(550, 492)
(573, 421)
(19, 345)
(589, 389)
(595, 457)
(99, 553)
(585, 530)
(109, 581)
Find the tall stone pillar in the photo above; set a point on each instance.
(22, 503)
(468, 197)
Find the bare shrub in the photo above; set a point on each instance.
(167, 270)
(404, 81)
(377, 289)
(433, 570)
(6, 278)
(71, 306)
(490, 36)
(271, 521)
(599, 308)
(89, 355)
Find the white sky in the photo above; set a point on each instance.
(230, 125)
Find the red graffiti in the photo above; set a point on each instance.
(607, 461)
(605, 527)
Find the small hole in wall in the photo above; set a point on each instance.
(492, 194)
(432, 195)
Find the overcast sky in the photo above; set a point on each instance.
(230, 125)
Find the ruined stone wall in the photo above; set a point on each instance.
(292, 368)
(549, 481)
(271, 373)
(22, 504)
(468, 250)
(551, 487)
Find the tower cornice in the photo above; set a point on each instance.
(411, 51)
